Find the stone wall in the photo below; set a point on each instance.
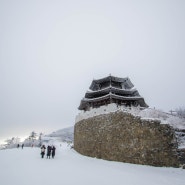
(122, 137)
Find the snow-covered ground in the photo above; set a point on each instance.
(25, 167)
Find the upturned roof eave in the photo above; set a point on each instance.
(84, 101)
(112, 78)
(89, 94)
(112, 96)
(111, 87)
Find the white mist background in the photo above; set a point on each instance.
(50, 51)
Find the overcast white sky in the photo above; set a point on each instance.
(50, 51)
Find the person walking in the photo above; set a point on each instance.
(53, 151)
(48, 151)
(43, 148)
(22, 145)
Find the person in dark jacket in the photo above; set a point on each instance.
(43, 148)
(53, 151)
(48, 151)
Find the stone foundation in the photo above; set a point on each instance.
(122, 137)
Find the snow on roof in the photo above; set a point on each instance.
(126, 81)
(111, 87)
(113, 96)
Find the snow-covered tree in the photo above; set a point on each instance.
(33, 136)
(181, 112)
(33, 140)
(11, 143)
(40, 138)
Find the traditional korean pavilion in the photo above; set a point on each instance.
(111, 89)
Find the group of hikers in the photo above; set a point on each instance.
(50, 151)
(21, 145)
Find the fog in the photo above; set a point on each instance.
(50, 51)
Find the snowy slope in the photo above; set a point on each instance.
(66, 134)
(25, 167)
(165, 118)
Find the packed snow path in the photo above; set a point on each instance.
(25, 167)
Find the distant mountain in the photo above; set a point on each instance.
(66, 134)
